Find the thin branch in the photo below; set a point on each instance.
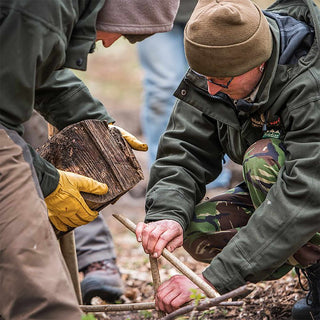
(207, 289)
(156, 280)
(137, 306)
(118, 307)
(208, 303)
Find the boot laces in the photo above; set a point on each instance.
(106, 265)
(313, 287)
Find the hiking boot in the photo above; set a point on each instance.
(101, 279)
(309, 307)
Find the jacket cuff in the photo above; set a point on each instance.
(221, 278)
(47, 174)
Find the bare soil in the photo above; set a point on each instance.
(114, 76)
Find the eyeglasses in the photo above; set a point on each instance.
(225, 86)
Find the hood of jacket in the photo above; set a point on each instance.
(280, 72)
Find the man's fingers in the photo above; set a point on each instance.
(143, 231)
(166, 301)
(164, 295)
(170, 240)
(158, 238)
(175, 243)
(155, 236)
(139, 229)
(146, 242)
(173, 293)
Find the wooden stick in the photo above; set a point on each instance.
(68, 245)
(207, 289)
(156, 280)
(68, 250)
(208, 303)
(137, 306)
(118, 307)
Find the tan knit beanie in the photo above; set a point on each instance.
(137, 17)
(226, 38)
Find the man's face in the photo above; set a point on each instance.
(107, 38)
(235, 87)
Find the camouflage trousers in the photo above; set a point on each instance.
(218, 219)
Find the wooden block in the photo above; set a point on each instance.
(92, 149)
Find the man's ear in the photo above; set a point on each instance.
(107, 38)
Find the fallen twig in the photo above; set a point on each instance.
(207, 289)
(119, 307)
(156, 280)
(208, 303)
(137, 306)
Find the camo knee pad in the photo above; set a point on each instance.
(216, 221)
(261, 166)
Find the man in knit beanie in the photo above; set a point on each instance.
(227, 38)
(252, 93)
(136, 19)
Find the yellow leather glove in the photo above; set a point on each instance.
(66, 207)
(135, 143)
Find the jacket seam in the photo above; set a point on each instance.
(45, 23)
(175, 191)
(68, 95)
(257, 254)
(305, 103)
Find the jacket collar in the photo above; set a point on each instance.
(194, 91)
(82, 34)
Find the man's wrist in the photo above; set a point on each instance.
(207, 281)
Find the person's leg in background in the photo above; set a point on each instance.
(94, 243)
(97, 261)
(163, 61)
(224, 179)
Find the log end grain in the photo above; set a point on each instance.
(92, 149)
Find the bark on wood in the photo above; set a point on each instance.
(92, 149)
(154, 267)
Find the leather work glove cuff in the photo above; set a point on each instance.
(66, 206)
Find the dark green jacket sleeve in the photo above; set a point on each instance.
(289, 216)
(179, 176)
(63, 100)
(47, 174)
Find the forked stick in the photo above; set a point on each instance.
(207, 289)
(156, 280)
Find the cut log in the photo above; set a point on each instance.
(92, 149)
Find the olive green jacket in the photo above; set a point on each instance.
(37, 38)
(63, 100)
(203, 128)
